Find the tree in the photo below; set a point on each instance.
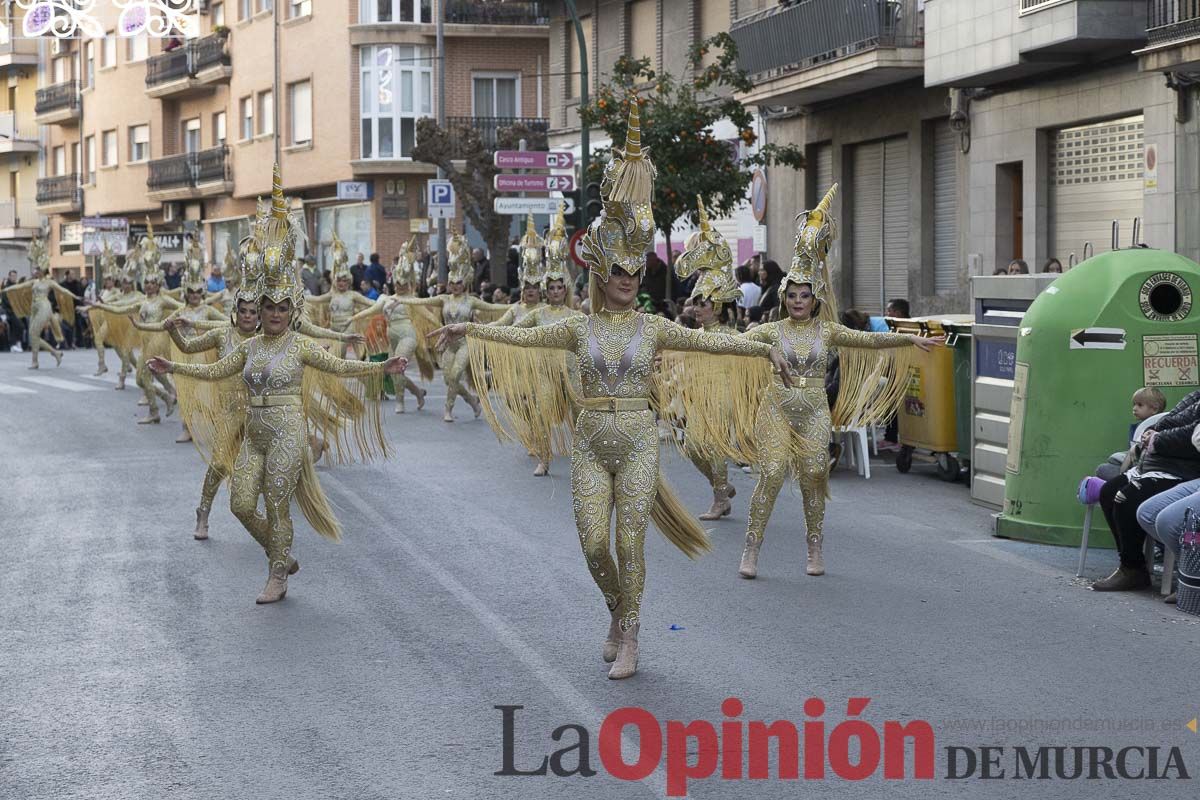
(466, 159)
(677, 118)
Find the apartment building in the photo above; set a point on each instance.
(184, 132)
(20, 148)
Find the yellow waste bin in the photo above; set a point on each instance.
(928, 419)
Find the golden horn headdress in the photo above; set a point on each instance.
(707, 253)
(815, 233)
(407, 270)
(193, 267)
(39, 256)
(108, 263)
(277, 238)
(624, 231)
(151, 257)
(250, 257)
(557, 250)
(341, 259)
(530, 270)
(458, 254)
(131, 271)
(230, 269)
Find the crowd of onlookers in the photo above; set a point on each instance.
(1019, 266)
(13, 333)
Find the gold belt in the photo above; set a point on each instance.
(276, 400)
(808, 383)
(614, 403)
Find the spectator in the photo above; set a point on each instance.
(898, 309)
(326, 282)
(172, 277)
(500, 294)
(654, 282)
(309, 276)
(16, 328)
(216, 280)
(1168, 459)
(513, 263)
(73, 333)
(375, 273)
(769, 277)
(751, 291)
(1000, 271)
(1165, 516)
(367, 288)
(1147, 402)
(486, 289)
(1018, 267)
(581, 283)
(358, 271)
(1052, 265)
(483, 268)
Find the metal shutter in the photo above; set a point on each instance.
(823, 177)
(1095, 178)
(945, 208)
(867, 215)
(895, 218)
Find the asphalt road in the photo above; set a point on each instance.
(134, 663)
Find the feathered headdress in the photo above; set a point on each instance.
(458, 253)
(708, 253)
(341, 259)
(250, 256)
(815, 233)
(193, 267)
(151, 257)
(277, 239)
(407, 270)
(131, 271)
(530, 270)
(557, 250)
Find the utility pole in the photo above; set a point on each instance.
(443, 268)
(584, 133)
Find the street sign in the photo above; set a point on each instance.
(106, 223)
(533, 159)
(576, 246)
(758, 195)
(532, 205)
(354, 190)
(98, 230)
(534, 183)
(440, 199)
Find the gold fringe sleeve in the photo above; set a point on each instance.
(120, 333)
(340, 411)
(676, 523)
(314, 504)
(21, 299)
(873, 383)
(157, 343)
(215, 413)
(536, 401)
(715, 399)
(66, 305)
(425, 320)
(318, 313)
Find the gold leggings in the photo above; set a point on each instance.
(39, 320)
(268, 465)
(714, 469)
(403, 340)
(614, 464)
(456, 369)
(802, 419)
(146, 382)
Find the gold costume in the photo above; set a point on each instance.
(793, 428)
(31, 299)
(341, 305)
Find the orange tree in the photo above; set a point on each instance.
(677, 118)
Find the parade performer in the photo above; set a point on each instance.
(109, 293)
(404, 339)
(614, 462)
(529, 276)
(707, 255)
(342, 300)
(273, 461)
(794, 424)
(118, 328)
(458, 306)
(31, 299)
(195, 310)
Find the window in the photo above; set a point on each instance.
(76, 164)
(137, 48)
(266, 112)
(714, 18)
(60, 160)
(395, 11)
(642, 18)
(219, 128)
(90, 166)
(218, 14)
(299, 8)
(245, 9)
(396, 90)
(300, 112)
(60, 70)
(247, 118)
(191, 135)
(265, 5)
(139, 143)
(108, 141)
(108, 50)
(89, 60)
(575, 81)
(495, 95)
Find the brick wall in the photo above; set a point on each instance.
(494, 54)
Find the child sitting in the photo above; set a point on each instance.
(1147, 402)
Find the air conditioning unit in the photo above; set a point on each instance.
(170, 212)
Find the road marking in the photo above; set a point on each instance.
(58, 383)
(4, 389)
(989, 547)
(508, 637)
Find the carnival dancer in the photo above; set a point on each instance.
(342, 300)
(614, 462)
(97, 319)
(403, 337)
(118, 328)
(529, 276)
(195, 310)
(273, 461)
(458, 306)
(31, 299)
(794, 424)
(707, 253)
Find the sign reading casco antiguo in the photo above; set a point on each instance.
(1165, 297)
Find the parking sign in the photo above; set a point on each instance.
(440, 199)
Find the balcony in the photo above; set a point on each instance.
(18, 219)
(57, 104)
(1172, 36)
(488, 128)
(17, 137)
(985, 44)
(193, 69)
(58, 195)
(18, 53)
(190, 175)
(497, 18)
(819, 50)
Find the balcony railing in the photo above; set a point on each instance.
(805, 35)
(497, 12)
(57, 97)
(186, 61)
(1172, 21)
(11, 132)
(488, 129)
(18, 215)
(59, 189)
(189, 170)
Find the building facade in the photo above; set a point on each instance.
(184, 132)
(20, 147)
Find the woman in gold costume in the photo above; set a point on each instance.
(793, 427)
(194, 311)
(109, 293)
(614, 462)
(529, 277)
(273, 461)
(31, 299)
(458, 306)
(403, 338)
(342, 300)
